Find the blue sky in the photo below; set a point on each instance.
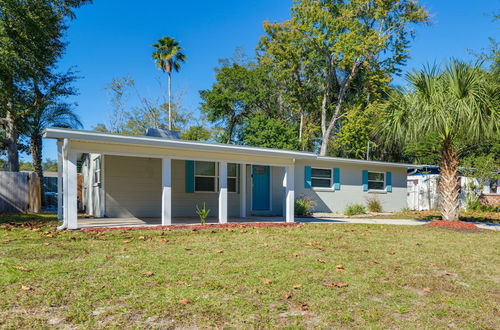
(112, 38)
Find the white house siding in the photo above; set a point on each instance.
(351, 189)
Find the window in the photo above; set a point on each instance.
(232, 177)
(97, 170)
(321, 177)
(493, 187)
(206, 177)
(376, 181)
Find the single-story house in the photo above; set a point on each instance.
(149, 176)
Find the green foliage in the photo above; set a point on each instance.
(354, 209)
(26, 166)
(50, 165)
(459, 102)
(374, 204)
(484, 167)
(239, 92)
(202, 213)
(352, 139)
(304, 206)
(31, 44)
(197, 133)
(262, 131)
(168, 54)
(332, 53)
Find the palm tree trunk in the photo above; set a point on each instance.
(36, 154)
(449, 182)
(170, 100)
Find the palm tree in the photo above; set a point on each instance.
(58, 115)
(168, 57)
(459, 102)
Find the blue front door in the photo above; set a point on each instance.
(260, 188)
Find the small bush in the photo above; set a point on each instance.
(354, 209)
(406, 209)
(304, 206)
(374, 204)
(477, 206)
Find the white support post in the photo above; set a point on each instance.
(223, 192)
(166, 197)
(243, 190)
(59, 180)
(71, 192)
(290, 194)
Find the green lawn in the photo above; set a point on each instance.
(405, 277)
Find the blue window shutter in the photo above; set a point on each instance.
(388, 181)
(307, 177)
(365, 180)
(189, 176)
(336, 178)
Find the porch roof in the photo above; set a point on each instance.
(136, 140)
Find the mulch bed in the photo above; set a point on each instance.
(199, 227)
(453, 224)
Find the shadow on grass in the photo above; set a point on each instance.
(27, 217)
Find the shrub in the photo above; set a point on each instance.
(353, 209)
(202, 213)
(374, 204)
(304, 206)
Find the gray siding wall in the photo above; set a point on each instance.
(133, 188)
(351, 190)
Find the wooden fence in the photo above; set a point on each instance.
(20, 192)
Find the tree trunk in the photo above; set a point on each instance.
(12, 136)
(301, 128)
(36, 154)
(326, 138)
(230, 129)
(449, 183)
(170, 101)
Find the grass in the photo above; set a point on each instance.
(493, 217)
(402, 277)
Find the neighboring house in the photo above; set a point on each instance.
(423, 190)
(145, 176)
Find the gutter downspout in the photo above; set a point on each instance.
(65, 184)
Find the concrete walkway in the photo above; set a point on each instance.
(403, 222)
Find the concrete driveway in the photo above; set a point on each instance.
(403, 222)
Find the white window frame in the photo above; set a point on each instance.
(232, 177)
(97, 173)
(384, 181)
(216, 178)
(331, 187)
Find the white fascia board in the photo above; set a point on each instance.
(366, 162)
(71, 134)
